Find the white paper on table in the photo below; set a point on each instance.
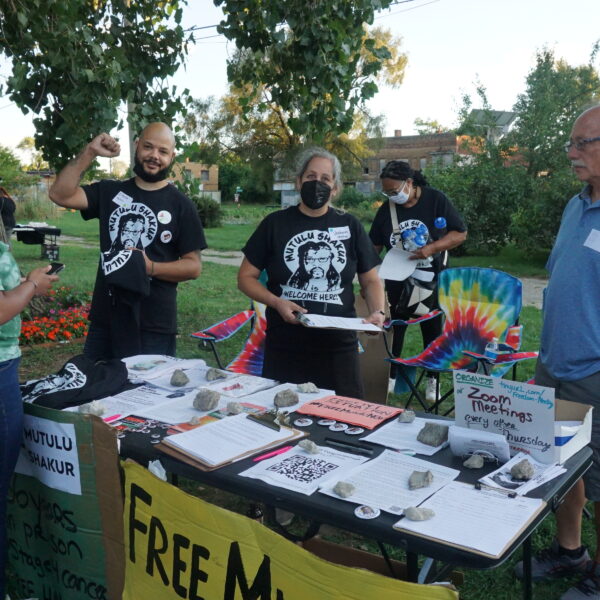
(325, 322)
(485, 520)
(397, 265)
(182, 411)
(133, 401)
(149, 366)
(464, 440)
(501, 478)
(301, 472)
(266, 397)
(228, 439)
(403, 436)
(196, 376)
(383, 482)
(240, 385)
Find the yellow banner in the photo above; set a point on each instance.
(177, 546)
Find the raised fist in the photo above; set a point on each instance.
(105, 145)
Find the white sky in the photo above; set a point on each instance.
(449, 44)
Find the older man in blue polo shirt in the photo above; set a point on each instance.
(570, 352)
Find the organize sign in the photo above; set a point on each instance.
(522, 412)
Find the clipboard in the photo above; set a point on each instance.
(467, 529)
(326, 322)
(194, 446)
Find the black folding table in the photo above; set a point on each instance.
(323, 509)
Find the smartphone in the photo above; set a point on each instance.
(55, 267)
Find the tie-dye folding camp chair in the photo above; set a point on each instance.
(250, 359)
(479, 305)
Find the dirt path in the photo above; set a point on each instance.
(532, 288)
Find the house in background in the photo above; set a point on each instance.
(494, 124)
(207, 175)
(419, 151)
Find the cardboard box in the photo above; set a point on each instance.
(360, 559)
(374, 369)
(573, 411)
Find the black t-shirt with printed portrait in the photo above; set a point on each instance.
(164, 223)
(419, 218)
(311, 261)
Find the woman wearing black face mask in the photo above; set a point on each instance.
(311, 253)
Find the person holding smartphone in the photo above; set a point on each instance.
(15, 295)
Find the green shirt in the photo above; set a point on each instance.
(10, 278)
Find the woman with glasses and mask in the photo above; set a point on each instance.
(311, 253)
(422, 221)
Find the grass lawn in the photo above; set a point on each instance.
(214, 296)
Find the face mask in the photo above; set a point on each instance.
(138, 169)
(401, 197)
(315, 194)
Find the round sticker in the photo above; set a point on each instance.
(326, 422)
(354, 430)
(338, 427)
(165, 237)
(366, 512)
(164, 217)
(303, 422)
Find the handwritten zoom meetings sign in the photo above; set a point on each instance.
(177, 546)
(522, 412)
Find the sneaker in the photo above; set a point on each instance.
(550, 564)
(431, 391)
(588, 588)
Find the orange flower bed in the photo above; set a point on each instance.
(62, 325)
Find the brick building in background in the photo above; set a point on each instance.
(207, 175)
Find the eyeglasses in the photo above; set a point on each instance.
(580, 144)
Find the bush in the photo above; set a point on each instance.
(350, 198)
(487, 194)
(536, 220)
(366, 210)
(209, 211)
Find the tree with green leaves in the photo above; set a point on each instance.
(315, 58)
(75, 62)
(247, 130)
(514, 190)
(429, 126)
(555, 94)
(11, 172)
(36, 159)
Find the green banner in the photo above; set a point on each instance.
(59, 530)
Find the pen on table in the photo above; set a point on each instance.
(274, 453)
(353, 448)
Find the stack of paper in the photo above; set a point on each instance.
(403, 436)
(301, 472)
(229, 439)
(325, 322)
(502, 478)
(383, 482)
(486, 521)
